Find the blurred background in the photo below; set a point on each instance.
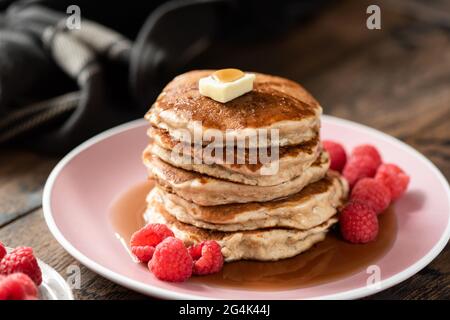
(71, 69)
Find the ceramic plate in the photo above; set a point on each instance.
(83, 185)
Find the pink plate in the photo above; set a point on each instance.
(82, 186)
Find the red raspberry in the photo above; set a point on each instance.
(207, 257)
(150, 235)
(144, 241)
(29, 287)
(10, 290)
(21, 259)
(394, 178)
(358, 223)
(143, 253)
(27, 284)
(2, 251)
(364, 162)
(372, 193)
(367, 150)
(171, 261)
(17, 286)
(337, 154)
(358, 168)
(195, 251)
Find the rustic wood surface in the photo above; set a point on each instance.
(396, 79)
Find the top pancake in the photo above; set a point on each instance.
(274, 103)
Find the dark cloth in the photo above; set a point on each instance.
(59, 86)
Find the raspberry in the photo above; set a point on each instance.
(364, 162)
(144, 241)
(360, 167)
(367, 150)
(143, 253)
(207, 257)
(10, 290)
(21, 259)
(372, 193)
(2, 251)
(28, 286)
(358, 223)
(150, 235)
(195, 251)
(171, 261)
(17, 286)
(337, 154)
(394, 178)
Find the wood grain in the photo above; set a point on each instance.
(395, 79)
(22, 177)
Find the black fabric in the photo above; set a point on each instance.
(58, 87)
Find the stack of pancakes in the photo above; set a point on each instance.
(252, 214)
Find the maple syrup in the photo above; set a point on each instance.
(329, 260)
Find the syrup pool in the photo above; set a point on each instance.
(329, 260)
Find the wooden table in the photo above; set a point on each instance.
(396, 79)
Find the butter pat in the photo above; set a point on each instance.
(217, 86)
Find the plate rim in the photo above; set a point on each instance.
(168, 294)
(61, 281)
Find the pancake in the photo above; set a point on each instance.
(306, 209)
(208, 191)
(290, 162)
(274, 103)
(263, 244)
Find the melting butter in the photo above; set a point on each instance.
(228, 75)
(226, 84)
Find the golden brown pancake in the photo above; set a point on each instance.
(306, 209)
(274, 103)
(208, 191)
(287, 164)
(268, 244)
(251, 213)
